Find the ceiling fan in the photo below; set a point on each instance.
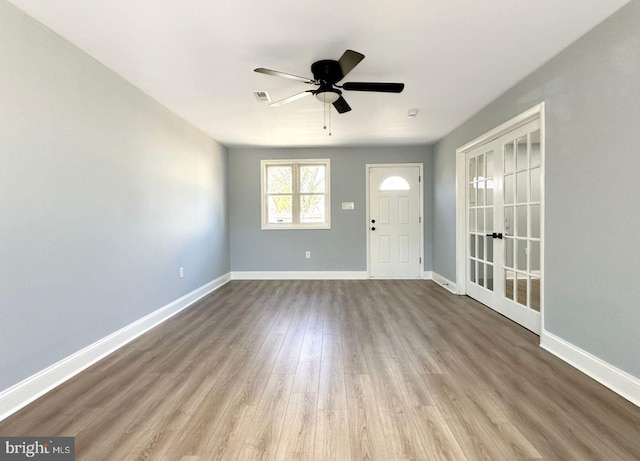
(326, 75)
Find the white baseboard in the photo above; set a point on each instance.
(427, 275)
(620, 382)
(26, 391)
(444, 282)
(299, 275)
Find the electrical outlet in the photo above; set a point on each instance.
(181, 272)
(307, 254)
(347, 205)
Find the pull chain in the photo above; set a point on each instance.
(326, 109)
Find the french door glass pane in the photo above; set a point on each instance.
(522, 289)
(480, 166)
(508, 189)
(535, 148)
(509, 224)
(489, 249)
(521, 154)
(521, 221)
(509, 160)
(521, 187)
(535, 185)
(508, 252)
(534, 255)
(509, 277)
(489, 164)
(535, 294)
(480, 186)
(535, 221)
(521, 255)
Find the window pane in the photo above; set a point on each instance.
(312, 179)
(312, 208)
(279, 180)
(280, 209)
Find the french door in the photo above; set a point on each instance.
(504, 211)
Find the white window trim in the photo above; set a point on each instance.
(263, 194)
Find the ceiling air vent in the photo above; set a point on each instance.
(262, 96)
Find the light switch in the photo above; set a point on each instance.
(347, 206)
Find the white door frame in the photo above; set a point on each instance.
(421, 205)
(536, 112)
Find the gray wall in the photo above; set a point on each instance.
(341, 248)
(103, 195)
(591, 91)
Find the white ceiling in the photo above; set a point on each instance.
(197, 58)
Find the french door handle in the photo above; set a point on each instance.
(496, 235)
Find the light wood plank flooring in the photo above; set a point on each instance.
(335, 370)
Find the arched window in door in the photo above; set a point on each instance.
(395, 183)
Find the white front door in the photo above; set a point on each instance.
(504, 232)
(395, 221)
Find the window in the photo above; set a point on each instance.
(295, 194)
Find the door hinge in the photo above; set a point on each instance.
(420, 260)
(419, 178)
(419, 219)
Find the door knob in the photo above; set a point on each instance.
(373, 228)
(373, 221)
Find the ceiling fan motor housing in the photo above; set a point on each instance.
(327, 71)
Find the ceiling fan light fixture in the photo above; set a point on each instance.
(328, 96)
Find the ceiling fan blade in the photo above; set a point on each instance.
(349, 60)
(341, 105)
(370, 86)
(291, 98)
(276, 73)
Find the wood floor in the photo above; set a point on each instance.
(335, 370)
